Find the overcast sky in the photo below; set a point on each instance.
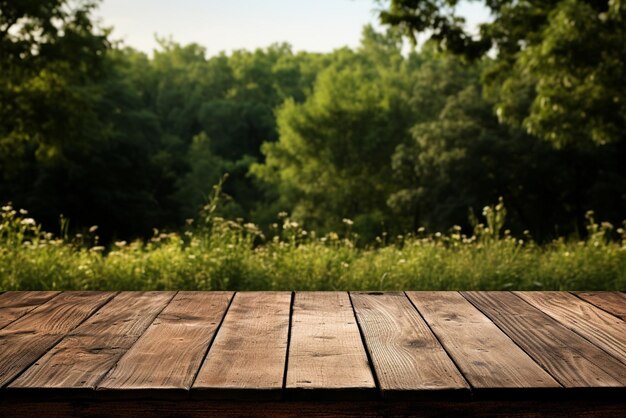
(226, 25)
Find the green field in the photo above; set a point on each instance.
(224, 254)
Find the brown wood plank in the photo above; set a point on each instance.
(569, 358)
(86, 354)
(326, 351)
(168, 355)
(601, 328)
(486, 356)
(25, 340)
(612, 302)
(405, 354)
(250, 348)
(14, 305)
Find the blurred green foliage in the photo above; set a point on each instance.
(532, 109)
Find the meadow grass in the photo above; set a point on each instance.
(224, 254)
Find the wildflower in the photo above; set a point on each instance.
(97, 248)
(282, 214)
(23, 212)
(333, 236)
(6, 208)
(28, 221)
(93, 229)
(402, 261)
(347, 221)
(421, 229)
(249, 225)
(189, 221)
(120, 243)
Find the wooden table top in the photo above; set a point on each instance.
(313, 345)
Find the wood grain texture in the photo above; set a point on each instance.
(25, 340)
(250, 348)
(406, 355)
(612, 302)
(326, 352)
(168, 355)
(569, 358)
(14, 305)
(86, 354)
(486, 356)
(601, 328)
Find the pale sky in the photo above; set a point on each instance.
(227, 25)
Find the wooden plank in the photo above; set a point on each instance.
(405, 354)
(250, 348)
(570, 359)
(326, 352)
(601, 328)
(25, 340)
(86, 354)
(14, 305)
(485, 355)
(612, 302)
(169, 353)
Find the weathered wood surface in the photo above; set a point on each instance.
(250, 349)
(326, 352)
(14, 305)
(312, 353)
(604, 330)
(169, 353)
(572, 360)
(405, 354)
(86, 354)
(485, 355)
(24, 341)
(612, 302)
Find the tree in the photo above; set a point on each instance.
(332, 157)
(558, 65)
(50, 57)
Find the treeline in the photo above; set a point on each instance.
(369, 138)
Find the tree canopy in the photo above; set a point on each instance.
(373, 139)
(558, 65)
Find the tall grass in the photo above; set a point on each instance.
(226, 254)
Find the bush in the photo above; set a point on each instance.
(229, 254)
